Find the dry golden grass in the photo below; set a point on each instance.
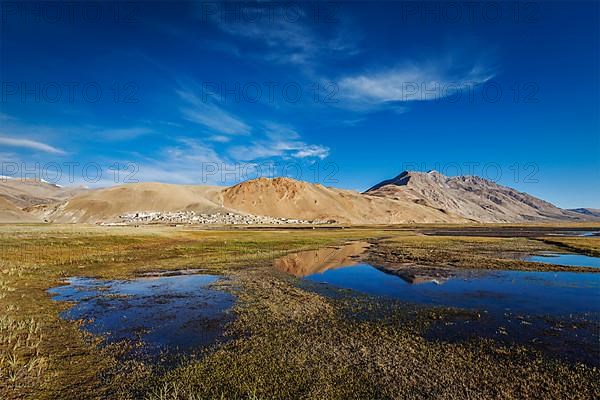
(289, 343)
(586, 245)
(42, 355)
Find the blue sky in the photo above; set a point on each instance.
(343, 94)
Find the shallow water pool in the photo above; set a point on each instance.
(555, 312)
(523, 292)
(576, 260)
(167, 312)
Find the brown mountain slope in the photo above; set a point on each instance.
(288, 198)
(108, 204)
(410, 197)
(280, 197)
(28, 192)
(471, 197)
(588, 212)
(9, 213)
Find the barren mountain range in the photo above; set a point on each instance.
(411, 197)
(18, 194)
(592, 212)
(471, 197)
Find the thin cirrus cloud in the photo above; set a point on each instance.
(211, 116)
(30, 144)
(275, 131)
(274, 140)
(263, 149)
(408, 83)
(219, 139)
(287, 40)
(278, 141)
(123, 133)
(312, 151)
(193, 152)
(278, 148)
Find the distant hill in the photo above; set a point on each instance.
(289, 198)
(470, 197)
(591, 212)
(108, 204)
(29, 192)
(279, 197)
(11, 213)
(18, 194)
(411, 197)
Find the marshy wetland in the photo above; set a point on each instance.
(162, 313)
(386, 312)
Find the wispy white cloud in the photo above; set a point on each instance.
(219, 139)
(182, 162)
(193, 151)
(351, 122)
(122, 133)
(211, 116)
(30, 144)
(288, 43)
(161, 122)
(280, 141)
(269, 140)
(312, 151)
(407, 83)
(289, 40)
(275, 130)
(269, 149)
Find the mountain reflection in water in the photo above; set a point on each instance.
(310, 262)
(306, 263)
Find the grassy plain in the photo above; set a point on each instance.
(286, 342)
(473, 252)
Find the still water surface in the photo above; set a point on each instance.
(522, 292)
(578, 260)
(166, 312)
